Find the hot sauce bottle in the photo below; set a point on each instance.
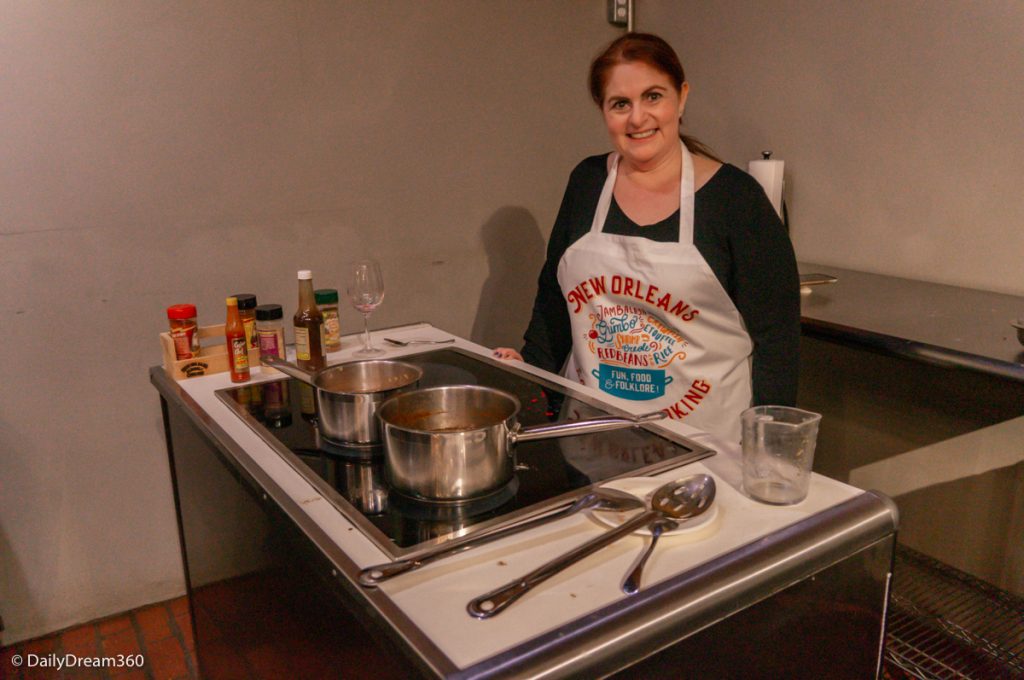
(234, 337)
(309, 327)
(247, 311)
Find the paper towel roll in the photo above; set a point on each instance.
(768, 174)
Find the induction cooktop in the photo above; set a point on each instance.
(549, 473)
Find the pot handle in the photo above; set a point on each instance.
(583, 426)
(289, 368)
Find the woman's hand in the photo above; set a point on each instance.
(506, 353)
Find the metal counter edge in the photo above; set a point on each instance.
(345, 572)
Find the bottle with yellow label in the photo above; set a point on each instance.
(247, 311)
(234, 338)
(309, 327)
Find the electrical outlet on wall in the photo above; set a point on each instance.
(618, 12)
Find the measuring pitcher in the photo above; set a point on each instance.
(778, 452)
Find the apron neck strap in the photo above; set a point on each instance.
(686, 197)
(686, 194)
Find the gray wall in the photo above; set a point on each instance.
(156, 153)
(899, 121)
(900, 125)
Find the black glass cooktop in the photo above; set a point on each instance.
(548, 472)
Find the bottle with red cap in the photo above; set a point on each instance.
(184, 330)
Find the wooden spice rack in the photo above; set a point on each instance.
(212, 358)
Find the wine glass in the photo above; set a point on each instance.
(366, 291)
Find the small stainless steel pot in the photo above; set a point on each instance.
(457, 442)
(348, 395)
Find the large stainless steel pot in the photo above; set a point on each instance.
(348, 395)
(458, 442)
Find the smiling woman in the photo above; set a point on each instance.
(642, 109)
(663, 213)
(648, 50)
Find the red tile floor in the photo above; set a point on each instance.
(160, 633)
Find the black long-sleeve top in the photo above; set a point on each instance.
(740, 236)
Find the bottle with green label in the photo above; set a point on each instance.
(327, 303)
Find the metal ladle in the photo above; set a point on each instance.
(681, 499)
(659, 525)
(598, 499)
(657, 528)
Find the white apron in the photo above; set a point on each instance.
(651, 323)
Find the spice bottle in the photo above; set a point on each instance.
(247, 310)
(327, 303)
(184, 331)
(309, 327)
(234, 337)
(270, 331)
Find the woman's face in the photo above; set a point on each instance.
(641, 110)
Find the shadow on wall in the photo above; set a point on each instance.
(17, 608)
(515, 254)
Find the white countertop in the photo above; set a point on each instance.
(434, 597)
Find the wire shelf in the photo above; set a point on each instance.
(944, 623)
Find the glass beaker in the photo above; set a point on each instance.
(778, 452)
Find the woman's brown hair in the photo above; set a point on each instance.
(656, 53)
